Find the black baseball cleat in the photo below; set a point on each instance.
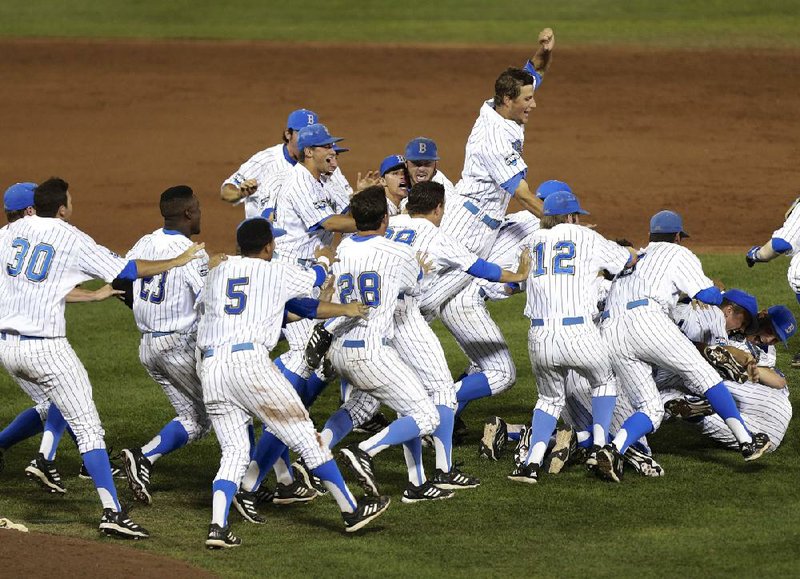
(526, 473)
(367, 510)
(642, 463)
(454, 480)
(245, 503)
(264, 494)
(318, 345)
(427, 491)
(523, 446)
(43, 472)
(309, 479)
(117, 471)
(118, 524)
(565, 445)
(591, 457)
(494, 439)
(609, 464)
(685, 408)
(297, 492)
(137, 469)
(374, 425)
(221, 538)
(360, 463)
(756, 449)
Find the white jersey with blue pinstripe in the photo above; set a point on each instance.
(513, 236)
(701, 323)
(264, 167)
(43, 260)
(166, 302)
(663, 272)
(565, 265)
(790, 230)
(374, 271)
(244, 298)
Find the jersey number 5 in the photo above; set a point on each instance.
(41, 258)
(369, 286)
(563, 253)
(235, 292)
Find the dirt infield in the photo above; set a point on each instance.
(711, 134)
(69, 557)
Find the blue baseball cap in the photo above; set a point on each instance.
(746, 301)
(391, 163)
(315, 135)
(783, 322)
(339, 149)
(422, 149)
(301, 118)
(667, 222)
(562, 203)
(550, 187)
(19, 196)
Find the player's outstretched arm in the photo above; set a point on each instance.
(544, 51)
(767, 252)
(352, 310)
(147, 268)
(81, 295)
(339, 224)
(527, 199)
(523, 269)
(231, 193)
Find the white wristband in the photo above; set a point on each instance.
(324, 261)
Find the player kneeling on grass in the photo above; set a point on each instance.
(763, 399)
(243, 306)
(562, 298)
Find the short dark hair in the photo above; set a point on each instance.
(509, 84)
(12, 216)
(424, 197)
(253, 235)
(49, 196)
(174, 201)
(665, 237)
(369, 207)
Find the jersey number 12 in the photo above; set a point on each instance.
(563, 254)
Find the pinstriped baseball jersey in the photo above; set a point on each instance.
(244, 298)
(166, 302)
(702, 324)
(566, 261)
(301, 205)
(339, 192)
(43, 259)
(441, 178)
(374, 271)
(790, 230)
(261, 166)
(505, 252)
(663, 271)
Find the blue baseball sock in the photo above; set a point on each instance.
(26, 424)
(635, 427)
(313, 388)
(401, 430)
(337, 427)
(266, 454)
(473, 387)
(99, 468)
(542, 425)
(443, 438)
(412, 450)
(297, 381)
(222, 492)
(329, 474)
(723, 404)
(251, 434)
(602, 411)
(53, 431)
(172, 437)
(344, 390)
(514, 436)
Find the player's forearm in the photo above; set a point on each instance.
(769, 377)
(80, 295)
(339, 224)
(230, 193)
(527, 199)
(148, 268)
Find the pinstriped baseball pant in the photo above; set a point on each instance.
(55, 373)
(42, 404)
(237, 385)
(170, 361)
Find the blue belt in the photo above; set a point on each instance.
(21, 337)
(360, 343)
(605, 315)
(637, 304)
(538, 322)
(235, 348)
(161, 334)
(486, 220)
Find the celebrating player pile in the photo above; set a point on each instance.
(619, 338)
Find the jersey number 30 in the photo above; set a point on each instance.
(41, 258)
(369, 286)
(563, 254)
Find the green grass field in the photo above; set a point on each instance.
(680, 23)
(711, 515)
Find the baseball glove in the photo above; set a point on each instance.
(725, 363)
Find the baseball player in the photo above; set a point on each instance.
(784, 241)
(164, 310)
(43, 417)
(562, 297)
(422, 164)
(640, 335)
(243, 304)
(46, 257)
(395, 183)
(255, 181)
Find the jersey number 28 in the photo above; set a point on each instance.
(369, 286)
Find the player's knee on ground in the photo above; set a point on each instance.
(361, 407)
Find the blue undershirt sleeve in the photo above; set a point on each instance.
(485, 270)
(303, 307)
(130, 272)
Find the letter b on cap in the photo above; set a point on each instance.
(423, 147)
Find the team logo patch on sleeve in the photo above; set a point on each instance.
(511, 160)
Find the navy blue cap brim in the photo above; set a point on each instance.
(278, 232)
